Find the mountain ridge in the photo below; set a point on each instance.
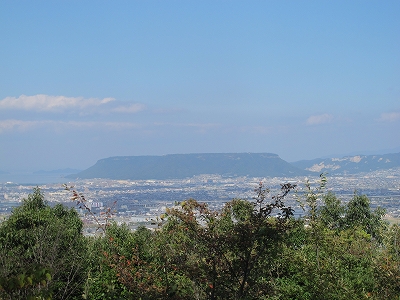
(352, 164)
(187, 165)
(179, 166)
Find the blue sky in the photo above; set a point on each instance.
(85, 80)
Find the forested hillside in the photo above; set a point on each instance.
(248, 250)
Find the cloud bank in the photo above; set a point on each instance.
(21, 125)
(58, 104)
(50, 103)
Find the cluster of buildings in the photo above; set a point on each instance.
(141, 202)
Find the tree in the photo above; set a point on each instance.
(232, 250)
(387, 266)
(338, 252)
(42, 251)
(358, 213)
(332, 212)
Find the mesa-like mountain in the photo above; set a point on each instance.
(179, 166)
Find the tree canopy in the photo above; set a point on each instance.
(249, 249)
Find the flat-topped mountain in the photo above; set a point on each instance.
(180, 166)
(351, 164)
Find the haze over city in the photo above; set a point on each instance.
(81, 81)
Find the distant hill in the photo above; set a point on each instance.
(180, 166)
(350, 164)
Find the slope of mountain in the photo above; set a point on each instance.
(187, 165)
(350, 164)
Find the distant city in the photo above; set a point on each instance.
(140, 202)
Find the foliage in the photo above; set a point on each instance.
(359, 214)
(230, 251)
(331, 212)
(247, 250)
(336, 251)
(42, 251)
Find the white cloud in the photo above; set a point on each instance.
(20, 125)
(130, 108)
(319, 119)
(50, 103)
(390, 117)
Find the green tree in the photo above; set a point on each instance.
(125, 264)
(387, 266)
(338, 252)
(42, 251)
(332, 212)
(233, 250)
(358, 213)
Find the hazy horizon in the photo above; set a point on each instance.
(83, 81)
